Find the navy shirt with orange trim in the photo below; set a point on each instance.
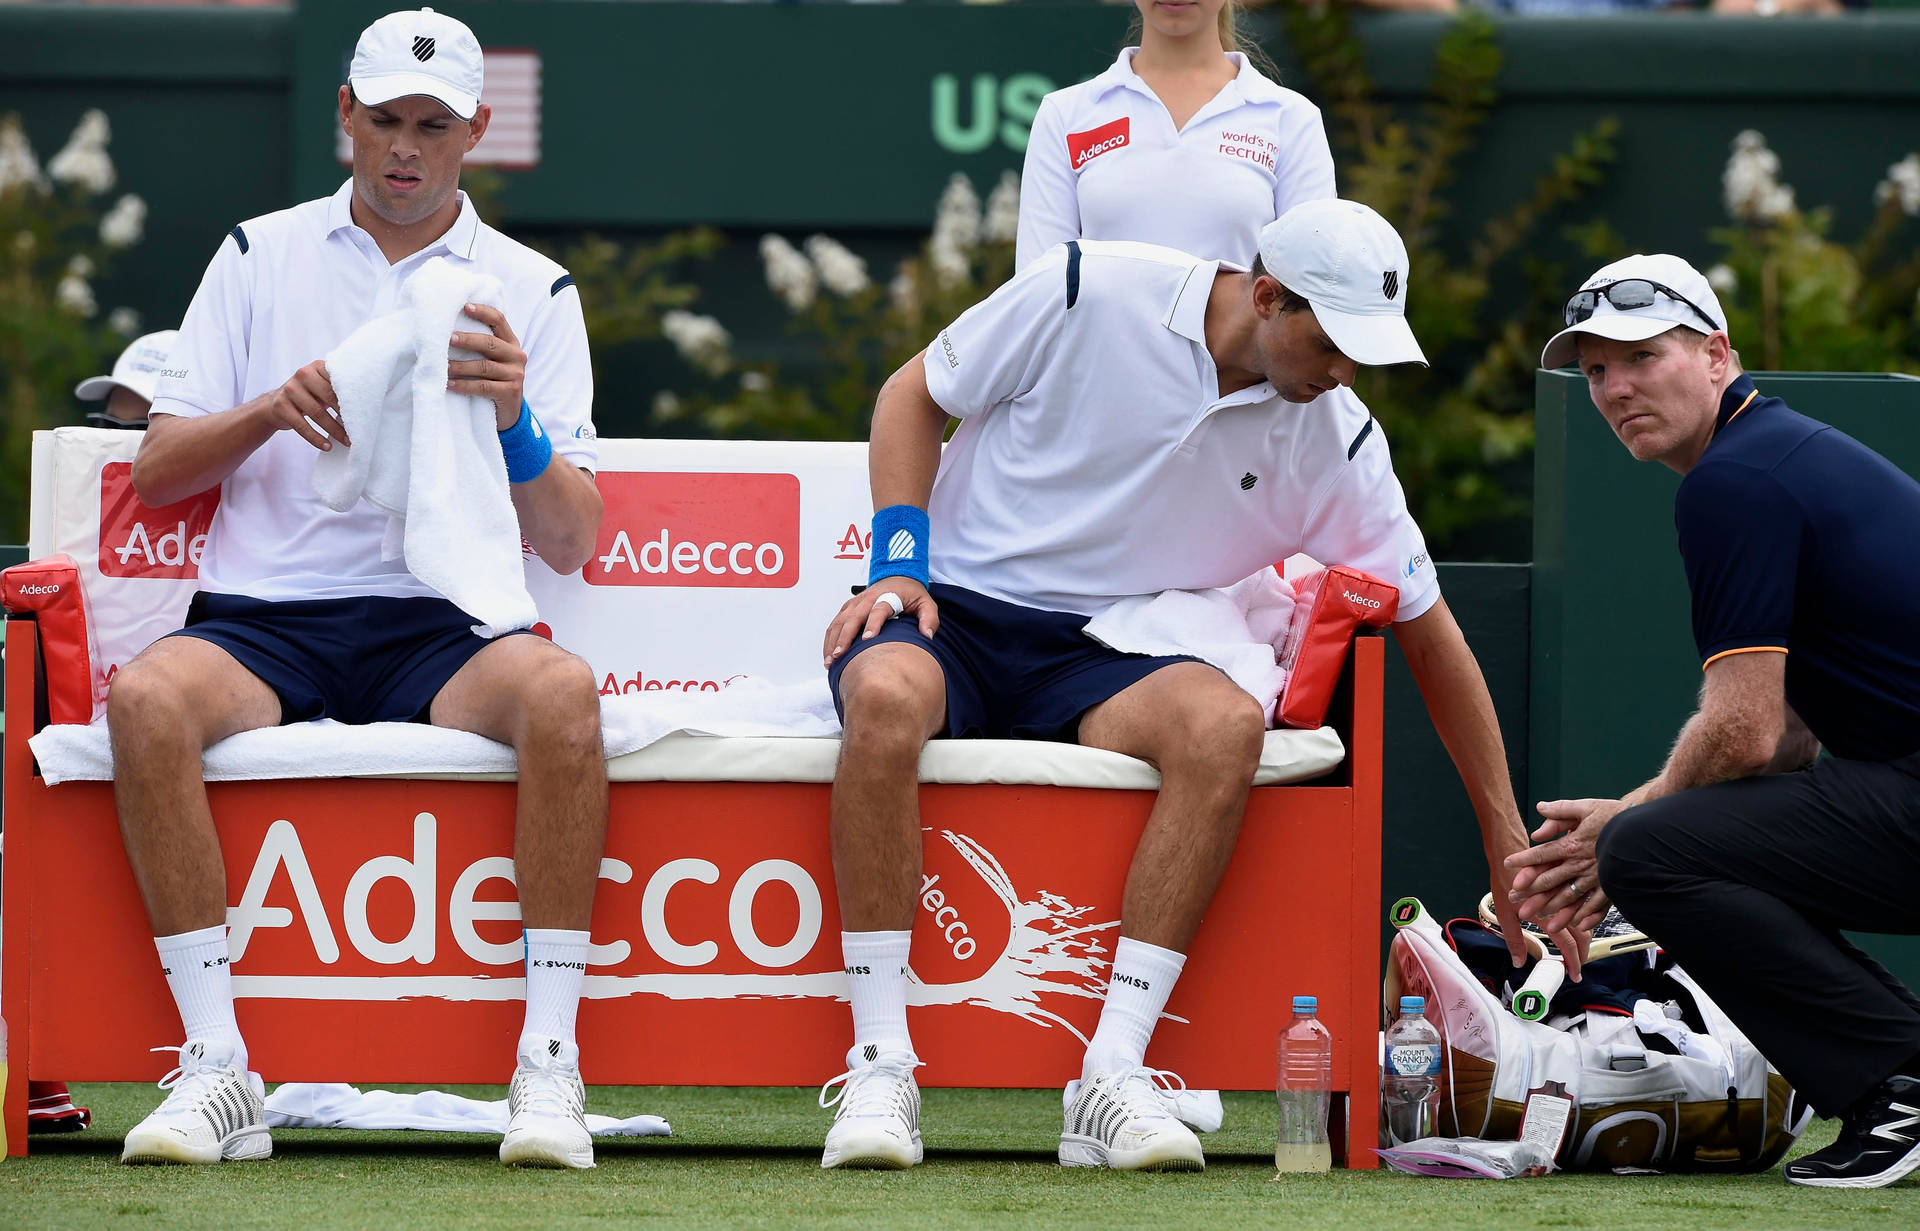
(1797, 537)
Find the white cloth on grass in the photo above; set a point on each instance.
(301, 1104)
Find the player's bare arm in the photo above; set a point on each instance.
(181, 456)
(902, 458)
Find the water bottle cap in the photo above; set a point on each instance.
(1305, 1004)
(1413, 1004)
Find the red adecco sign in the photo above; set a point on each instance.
(725, 530)
(137, 541)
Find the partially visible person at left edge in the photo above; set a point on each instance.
(1746, 857)
(299, 616)
(128, 390)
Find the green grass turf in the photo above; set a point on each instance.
(751, 1158)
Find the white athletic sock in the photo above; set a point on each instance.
(556, 967)
(200, 975)
(1137, 990)
(877, 986)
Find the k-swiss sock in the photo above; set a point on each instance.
(200, 975)
(556, 967)
(1143, 977)
(877, 986)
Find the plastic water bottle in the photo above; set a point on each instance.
(1410, 1092)
(1304, 1086)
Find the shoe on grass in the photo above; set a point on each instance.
(1879, 1142)
(1129, 1121)
(213, 1111)
(876, 1118)
(547, 1109)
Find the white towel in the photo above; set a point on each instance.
(1236, 629)
(69, 752)
(428, 457)
(300, 1104)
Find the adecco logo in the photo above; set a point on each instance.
(724, 530)
(53, 589)
(1360, 599)
(137, 541)
(1084, 147)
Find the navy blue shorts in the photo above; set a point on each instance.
(1012, 672)
(355, 660)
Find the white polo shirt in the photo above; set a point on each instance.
(283, 291)
(1096, 459)
(1104, 161)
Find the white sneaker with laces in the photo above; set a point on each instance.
(1129, 1121)
(876, 1121)
(213, 1111)
(547, 1109)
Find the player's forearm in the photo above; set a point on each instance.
(903, 453)
(1714, 746)
(1797, 747)
(560, 514)
(181, 456)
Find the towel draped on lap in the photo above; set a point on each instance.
(1236, 629)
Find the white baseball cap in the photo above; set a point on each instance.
(1681, 296)
(137, 368)
(1348, 262)
(418, 51)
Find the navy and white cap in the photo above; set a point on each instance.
(418, 51)
(138, 368)
(1349, 263)
(1639, 324)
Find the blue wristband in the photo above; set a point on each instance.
(900, 534)
(525, 447)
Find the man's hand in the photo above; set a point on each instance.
(307, 400)
(864, 613)
(500, 374)
(1557, 883)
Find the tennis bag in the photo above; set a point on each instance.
(1634, 1106)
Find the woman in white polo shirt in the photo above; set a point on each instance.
(1182, 142)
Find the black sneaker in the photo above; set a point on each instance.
(1878, 1144)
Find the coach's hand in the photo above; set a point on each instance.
(499, 374)
(1557, 882)
(307, 404)
(864, 613)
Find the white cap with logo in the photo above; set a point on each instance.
(137, 368)
(1348, 262)
(1675, 294)
(418, 51)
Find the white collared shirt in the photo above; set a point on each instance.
(284, 290)
(1104, 161)
(1097, 460)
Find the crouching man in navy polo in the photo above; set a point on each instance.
(1114, 399)
(299, 617)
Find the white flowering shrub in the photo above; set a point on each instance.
(60, 231)
(1798, 299)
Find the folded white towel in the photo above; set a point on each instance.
(429, 457)
(300, 1104)
(70, 752)
(1236, 629)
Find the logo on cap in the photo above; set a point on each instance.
(423, 48)
(1390, 283)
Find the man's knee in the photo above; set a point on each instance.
(562, 698)
(146, 701)
(1219, 736)
(891, 699)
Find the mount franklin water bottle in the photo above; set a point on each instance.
(1410, 1091)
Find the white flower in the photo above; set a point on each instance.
(701, 340)
(124, 223)
(666, 404)
(755, 382)
(957, 219)
(789, 274)
(841, 271)
(18, 166)
(904, 292)
(83, 160)
(1902, 184)
(1003, 210)
(1723, 280)
(24, 243)
(124, 321)
(950, 265)
(1751, 183)
(81, 266)
(72, 294)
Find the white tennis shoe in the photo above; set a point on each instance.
(876, 1119)
(547, 1109)
(213, 1111)
(1129, 1121)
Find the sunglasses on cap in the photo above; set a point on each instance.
(1627, 295)
(100, 418)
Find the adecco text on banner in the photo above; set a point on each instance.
(707, 530)
(137, 541)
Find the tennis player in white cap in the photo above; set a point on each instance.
(299, 616)
(128, 389)
(1133, 420)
